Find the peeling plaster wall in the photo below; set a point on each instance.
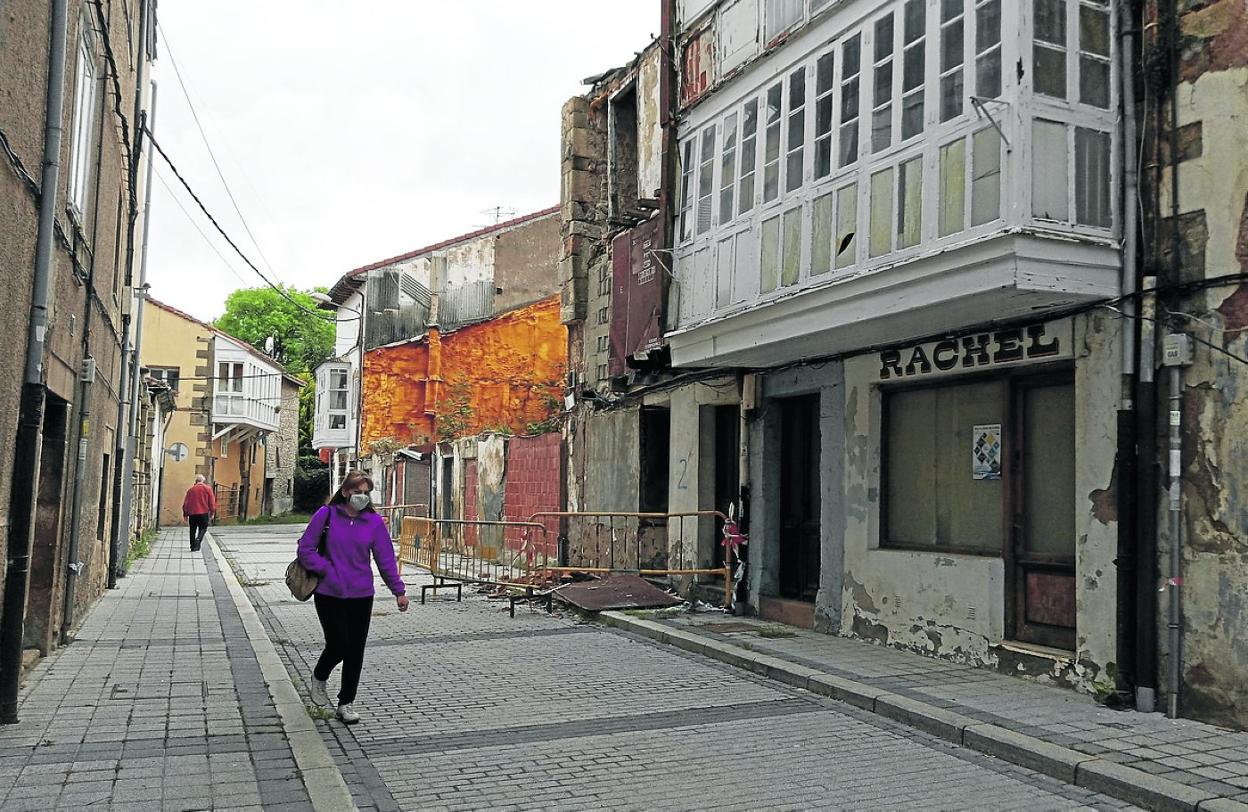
(649, 129)
(1213, 182)
(512, 366)
(686, 489)
(953, 605)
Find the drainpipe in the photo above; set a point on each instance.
(30, 416)
(118, 541)
(121, 538)
(1126, 429)
(1174, 582)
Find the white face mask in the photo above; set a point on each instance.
(359, 501)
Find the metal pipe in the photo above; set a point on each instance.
(1175, 580)
(30, 416)
(127, 496)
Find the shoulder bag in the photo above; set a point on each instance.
(299, 580)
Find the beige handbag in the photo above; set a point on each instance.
(299, 580)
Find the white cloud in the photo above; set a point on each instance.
(353, 132)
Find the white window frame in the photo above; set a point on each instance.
(86, 98)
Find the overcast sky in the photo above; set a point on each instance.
(351, 132)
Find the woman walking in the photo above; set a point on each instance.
(352, 531)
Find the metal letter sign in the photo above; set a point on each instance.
(637, 259)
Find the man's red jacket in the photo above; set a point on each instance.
(199, 500)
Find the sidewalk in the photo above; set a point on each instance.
(160, 703)
(1146, 759)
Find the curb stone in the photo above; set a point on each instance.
(1063, 763)
(317, 770)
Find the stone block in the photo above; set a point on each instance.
(1139, 787)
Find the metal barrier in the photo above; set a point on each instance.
(638, 543)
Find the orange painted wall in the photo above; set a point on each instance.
(513, 366)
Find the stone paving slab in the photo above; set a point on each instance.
(466, 708)
(1191, 761)
(158, 703)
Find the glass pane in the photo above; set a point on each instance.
(775, 96)
(824, 74)
(771, 182)
(985, 176)
(797, 88)
(823, 116)
(1049, 67)
(849, 100)
(1050, 21)
(881, 128)
(951, 45)
(952, 187)
(1092, 173)
(912, 70)
(1094, 30)
(792, 256)
(851, 56)
(821, 229)
(337, 421)
(823, 157)
(746, 194)
(846, 247)
(883, 37)
(337, 379)
(796, 129)
(883, 87)
(987, 25)
(793, 171)
(849, 144)
(910, 198)
(950, 9)
(749, 119)
(881, 213)
(1049, 470)
(915, 20)
(338, 400)
(1094, 82)
(988, 75)
(1050, 195)
(912, 115)
(951, 96)
(769, 272)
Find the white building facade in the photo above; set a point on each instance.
(901, 219)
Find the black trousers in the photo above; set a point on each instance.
(345, 623)
(199, 526)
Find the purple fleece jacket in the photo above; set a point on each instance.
(345, 571)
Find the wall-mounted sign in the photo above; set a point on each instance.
(637, 293)
(1005, 347)
(178, 452)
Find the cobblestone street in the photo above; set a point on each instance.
(466, 708)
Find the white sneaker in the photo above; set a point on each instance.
(319, 697)
(347, 714)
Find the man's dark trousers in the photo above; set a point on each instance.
(199, 526)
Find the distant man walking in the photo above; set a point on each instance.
(198, 507)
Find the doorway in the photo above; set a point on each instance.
(445, 486)
(40, 617)
(1040, 557)
(727, 475)
(799, 503)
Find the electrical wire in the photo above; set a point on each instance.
(115, 75)
(281, 291)
(160, 176)
(177, 72)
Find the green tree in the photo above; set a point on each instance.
(300, 340)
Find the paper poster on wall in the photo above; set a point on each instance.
(986, 452)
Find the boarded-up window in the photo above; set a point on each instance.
(724, 267)
(914, 57)
(952, 188)
(698, 66)
(749, 156)
(881, 213)
(771, 155)
(769, 261)
(910, 202)
(931, 497)
(847, 226)
(821, 230)
(791, 260)
(738, 34)
(1050, 181)
(985, 176)
(745, 271)
(882, 82)
(1092, 174)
